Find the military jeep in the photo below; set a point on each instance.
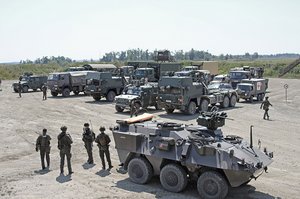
(33, 82)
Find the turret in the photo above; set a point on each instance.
(212, 120)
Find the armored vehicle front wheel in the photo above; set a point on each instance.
(173, 178)
(226, 101)
(169, 110)
(25, 89)
(140, 170)
(204, 105)
(233, 100)
(192, 107)
(111, 96)
(54, 94)
(66, 92)
(119, 109)
(212, 185)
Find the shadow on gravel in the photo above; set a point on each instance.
(101, 102)
(63, 178)
(154, 187)
(42, 172)
(71, 96)
(103, 173)
(88, 166)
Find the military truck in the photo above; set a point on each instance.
(143, 96)
(179, 154)
(250, 88)
(66, 82)
(103, 84)
(33, 82)
(188, 96)
(197, 75)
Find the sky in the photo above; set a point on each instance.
(85, 29)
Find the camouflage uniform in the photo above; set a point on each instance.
(134, 110)
(88, 137)
(44, 89)
(64, 145)
(265, 105)
(43, 144)
(103, 141)
(20, 89)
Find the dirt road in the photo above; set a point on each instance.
(23, 118)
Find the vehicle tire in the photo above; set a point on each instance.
(251, 99)
(212, 185)
(140, 170)
(204, 105)
(157, 106)
(169, 110)
(16, 90)
(192, 108)
(111, 96)
(25, 89)
(66, 92)
(233, 101)
(76, 92)
(173, 178)
(119, 109)
(97, 97)
(226, 101)
(54, 94)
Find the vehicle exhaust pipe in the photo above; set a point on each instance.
(251, 139)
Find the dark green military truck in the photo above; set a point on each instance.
(183, 94)
(103, 84)
(143, 97)
(249, 89)
(33, 82)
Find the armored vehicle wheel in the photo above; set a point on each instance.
(97, 97)
(225, 103)
(25, 89)
(212, 185)
(54, 94)
(191, 110)
(111, 96)
(204, 105)
(251, 99)
(233, 100)
(173, 178)
(119, 109)
(66, 92)
(169, 110)
(140, 170)
(76, 92)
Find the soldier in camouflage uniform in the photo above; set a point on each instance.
(134, 109)
(44, 89)
(88, 137)
(64, 145)
(265, 105)
(43, 145)
(20, 89)
(103, 141)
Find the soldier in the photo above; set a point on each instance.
(88, 137)
(20, 89)
(44, 89)
(43, 144)
(134, 108)
(103, 141)
(64, 145)
(265, 105)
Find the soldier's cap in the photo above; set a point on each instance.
(63, 128)
(86, 124)
(44, 130)
(102, 128)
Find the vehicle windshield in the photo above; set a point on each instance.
(238, 75)
(134, 91)
(53, 77)
(140, 73)
(244, 87)
(213, 86)
(218, 78)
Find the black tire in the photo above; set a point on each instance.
(25, 89)
(54, 94)
(233, 101)
(204, 105)
(192, 108)
(169, 110)
(212, 185)
(140, 170)
(66, 92)
(225, 103)
(251, 99)
(110, 96)
(16, 90)
(97, 97)
(76, 92)
(119, 109)
(173, 178)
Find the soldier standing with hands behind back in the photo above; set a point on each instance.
(103, 141)
(88, 137)
(43, 144)
(64, 145)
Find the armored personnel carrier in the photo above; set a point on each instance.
(181, 153)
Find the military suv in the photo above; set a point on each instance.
(143, 97)
(33, 82)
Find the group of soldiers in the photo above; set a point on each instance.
(64, 145)
(43, 88)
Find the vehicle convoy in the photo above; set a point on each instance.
(103, 84)
(66, 82)
(180, 153)
(250, 88)
(188, 96)
(33, 82)
(142, 96)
